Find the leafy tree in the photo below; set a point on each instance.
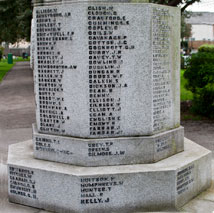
(8, 25)
(200, 80)
(24, 17)
(15, 20)
(1, 52)
(186, 29)
(183, 3)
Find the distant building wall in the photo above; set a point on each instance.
(202, 32)
(202, 29)
(17, 51)
(197, 44)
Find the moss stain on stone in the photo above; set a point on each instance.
(173, 144)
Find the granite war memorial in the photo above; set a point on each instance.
(107, 135)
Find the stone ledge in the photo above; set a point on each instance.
(165, 185)
(108, 151)
(56, 2)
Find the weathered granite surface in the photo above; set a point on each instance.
(107, 69)
(56, 2)
(32, 44)
(108, 151)
(165, 185)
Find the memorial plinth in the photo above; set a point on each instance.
(108, 151)
(107, 136)
(165, 185)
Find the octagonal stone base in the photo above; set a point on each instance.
(165, 185)
(108, 151)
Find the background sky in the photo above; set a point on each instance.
(204, 5)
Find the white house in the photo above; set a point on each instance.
(202, 26)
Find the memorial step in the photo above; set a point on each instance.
(162, 186)
(108, 151)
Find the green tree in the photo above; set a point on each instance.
(24, 18)
(186, 29)
(15, 20)
(183, 3)
(1, 52)
(200, 80)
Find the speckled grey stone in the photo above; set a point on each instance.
(162, 186)
(56, 2)
(108, 151)
(132, 89)
(32, 44)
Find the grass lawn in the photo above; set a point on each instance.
(5, 67)
(185, 94)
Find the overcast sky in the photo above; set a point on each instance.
(204, 5)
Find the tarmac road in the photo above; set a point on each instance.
(17, 113)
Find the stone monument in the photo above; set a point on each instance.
(32, 45)
(107, 135)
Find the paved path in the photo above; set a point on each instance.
(17, 113)
(17, 108)
(201, 132)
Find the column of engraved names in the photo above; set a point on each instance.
(22, 182)
(50, 69)
(185, 179)
(161, 67)
(106, 45)
(97, 190)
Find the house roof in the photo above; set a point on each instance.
(201, 18)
